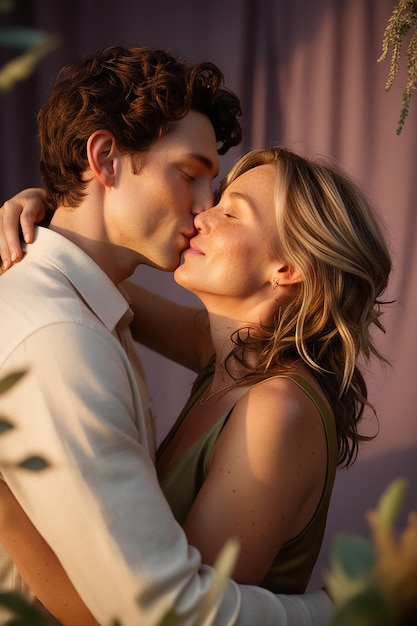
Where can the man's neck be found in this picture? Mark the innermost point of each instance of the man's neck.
(117, 262)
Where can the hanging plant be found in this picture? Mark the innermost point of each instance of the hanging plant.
(402, 20)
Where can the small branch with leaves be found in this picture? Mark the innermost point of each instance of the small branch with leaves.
(24, 613)
(374, 583)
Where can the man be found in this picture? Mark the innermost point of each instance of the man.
(129, 144)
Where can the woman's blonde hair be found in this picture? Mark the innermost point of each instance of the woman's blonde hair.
(327, 230)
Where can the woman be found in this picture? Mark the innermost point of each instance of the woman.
(290, 265)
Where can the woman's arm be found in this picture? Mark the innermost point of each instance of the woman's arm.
(25, 208)
(181, 333)
(266, 476)
(38, 565)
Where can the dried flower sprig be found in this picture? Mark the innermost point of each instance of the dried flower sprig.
(402, 20)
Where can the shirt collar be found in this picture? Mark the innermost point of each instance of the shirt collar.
(107, 301)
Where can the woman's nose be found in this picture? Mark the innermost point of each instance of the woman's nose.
(202, 220)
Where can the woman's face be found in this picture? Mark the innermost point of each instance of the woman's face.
(231, 256)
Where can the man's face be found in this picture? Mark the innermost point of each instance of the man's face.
(153, 211)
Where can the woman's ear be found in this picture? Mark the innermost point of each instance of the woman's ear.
(286, 275)
(101, 151)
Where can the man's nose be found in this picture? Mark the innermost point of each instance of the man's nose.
(203, 202)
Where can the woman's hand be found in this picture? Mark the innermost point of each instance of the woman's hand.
(25, 209)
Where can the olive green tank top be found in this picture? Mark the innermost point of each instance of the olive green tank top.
(293, 565)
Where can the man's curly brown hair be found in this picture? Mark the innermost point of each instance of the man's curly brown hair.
(134, 93)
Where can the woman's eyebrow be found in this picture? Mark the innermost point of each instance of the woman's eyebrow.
(237, 195)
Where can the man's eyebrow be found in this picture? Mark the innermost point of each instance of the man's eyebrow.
(205, 161)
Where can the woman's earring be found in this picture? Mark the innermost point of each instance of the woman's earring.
(275, 284)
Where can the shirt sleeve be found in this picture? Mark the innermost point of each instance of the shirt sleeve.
(98, 503)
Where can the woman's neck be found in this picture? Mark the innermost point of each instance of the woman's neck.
(229, 316)
(223, 329)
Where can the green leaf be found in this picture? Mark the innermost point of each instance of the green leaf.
(170, 619)
(340, 587)
(223, 568)
(23, 65)
(356, 555)
(21, 37)
(390, 502)
(26, 614)
(365, 609)
(10, 380)
(5, 425)
(33, 463)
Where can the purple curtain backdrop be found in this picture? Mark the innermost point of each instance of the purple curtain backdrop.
(308, 77)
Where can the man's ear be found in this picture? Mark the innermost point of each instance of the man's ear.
(101, 151)
(286, 275)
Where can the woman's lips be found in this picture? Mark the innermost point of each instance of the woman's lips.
(194, 248)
